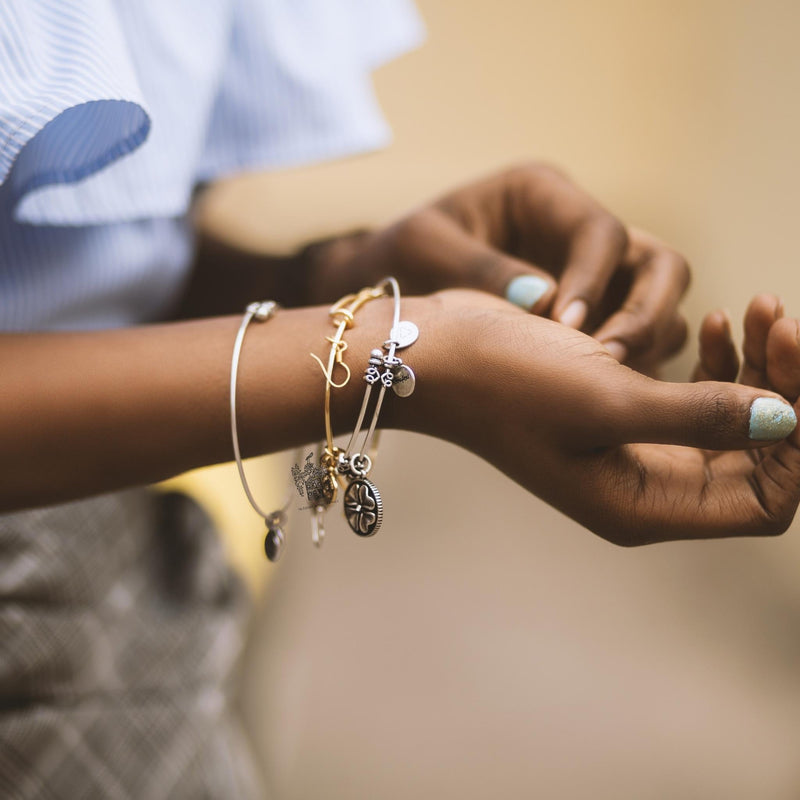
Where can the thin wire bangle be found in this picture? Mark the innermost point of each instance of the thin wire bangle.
(390, 283)
(342, 315)
(261, 312)
(362, 500)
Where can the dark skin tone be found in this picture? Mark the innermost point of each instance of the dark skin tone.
(527, 220)
(550, 406)
(617, 283)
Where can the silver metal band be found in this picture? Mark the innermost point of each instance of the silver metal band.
(261, 312)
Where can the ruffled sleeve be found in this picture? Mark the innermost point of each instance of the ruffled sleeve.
(297, 86)
(228, 85)
(70, 102)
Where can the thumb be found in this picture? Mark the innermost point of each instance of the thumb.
(709, 414)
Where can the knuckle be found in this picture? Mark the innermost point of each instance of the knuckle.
(713, 412)
(681, 270)
(407, 238)
(639, 330)
(604, 228)
(414, 227)
(612, 230)
(670, 262)
(537, 170)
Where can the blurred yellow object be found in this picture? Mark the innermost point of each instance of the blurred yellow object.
(219, 491)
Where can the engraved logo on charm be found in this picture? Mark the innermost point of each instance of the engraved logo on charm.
(404, 381)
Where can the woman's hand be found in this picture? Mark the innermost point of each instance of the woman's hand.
(531, 235)
(633, 459)
(628, 457)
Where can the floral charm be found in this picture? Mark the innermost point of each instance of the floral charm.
(363, 507)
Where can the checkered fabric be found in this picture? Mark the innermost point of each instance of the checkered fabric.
(120, 631)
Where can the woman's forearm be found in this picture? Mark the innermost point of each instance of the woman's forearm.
(83, 413)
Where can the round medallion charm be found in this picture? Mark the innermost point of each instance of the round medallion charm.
(273, 542)
(405, 333)
(363, 507)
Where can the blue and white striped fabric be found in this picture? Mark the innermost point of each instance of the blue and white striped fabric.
(112, 111)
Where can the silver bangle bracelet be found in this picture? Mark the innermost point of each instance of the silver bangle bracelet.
(275, 520)
(363, 505)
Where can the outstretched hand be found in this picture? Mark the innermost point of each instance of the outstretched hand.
(633, 459)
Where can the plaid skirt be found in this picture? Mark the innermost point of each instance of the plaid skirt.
(120, 631)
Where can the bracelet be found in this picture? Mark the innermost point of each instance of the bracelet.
(342, 314)
(363, 506)
(275, 520)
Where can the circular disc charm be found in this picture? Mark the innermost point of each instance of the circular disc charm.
(404, 381)
(405, 333)
(273, 542)
(363, 507)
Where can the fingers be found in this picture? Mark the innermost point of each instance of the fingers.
(775, 479)
(762, 312)
(709, 415)
(437, 252)
(595, 252)
(718, 359)
(660, 278)
(783, 358)
(551, 220)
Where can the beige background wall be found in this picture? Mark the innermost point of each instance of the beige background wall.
(482, 645)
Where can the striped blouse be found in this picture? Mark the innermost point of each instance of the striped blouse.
(111, 112)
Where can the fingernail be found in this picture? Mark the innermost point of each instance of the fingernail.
(771, 419)
(574, 314)
(526, 291)
(617, 349)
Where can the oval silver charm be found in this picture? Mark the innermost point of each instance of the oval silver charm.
(405, 333)
(404, 381)
(363, 507)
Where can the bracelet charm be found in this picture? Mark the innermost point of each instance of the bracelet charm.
(363, 507)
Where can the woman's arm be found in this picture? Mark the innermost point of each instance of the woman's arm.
(531, 226)
(82, 413)
(632, 459)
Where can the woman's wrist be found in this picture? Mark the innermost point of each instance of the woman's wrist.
(278, 373)
(435, 358)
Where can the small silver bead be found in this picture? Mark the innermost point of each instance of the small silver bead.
(263, 311)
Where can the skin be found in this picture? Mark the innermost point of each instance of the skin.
(619, 284)
(633, 459)
(625, 455)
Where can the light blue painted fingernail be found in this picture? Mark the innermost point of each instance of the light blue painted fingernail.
(526, 291)
(771, 419)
